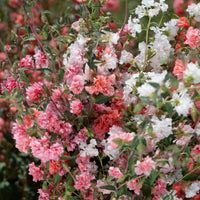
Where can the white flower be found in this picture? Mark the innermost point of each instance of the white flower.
(148, 3)
(194, 10)
(192, 190)
(161, 46)
(172, 28)
(126, 57)
(114, 37)
(154, 11)
(197, 130)
(89, 149)
(140, 11)
(129, 95)
(182, 102)
(134, 26)
(145, 90)
(162, 128)
(111, 153)
(193, 72)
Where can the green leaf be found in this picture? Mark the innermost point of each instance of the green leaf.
(57, 179)
(108, 187)
(135, 142)
(45, 70)
(118, 141)
(92, 65)
(187, 150)
(146, 189)
(61, 73)
(141, 182)
(94, 194)
(47, 165)
(122, 178)
(138, 107)
(89, 133)
(100, 99)
(109, 178)
(29, 38)
(44, 185)
(169, 108)
(145, 99)
(153, 176)
(153, 84)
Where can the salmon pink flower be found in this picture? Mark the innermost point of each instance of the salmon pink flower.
(192, 37)
(115, 172)
(145, 166)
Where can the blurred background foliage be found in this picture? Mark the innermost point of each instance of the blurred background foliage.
(15, 183)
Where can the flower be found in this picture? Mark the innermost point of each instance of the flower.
(76, 107)
(145, 166)
(83, 181)
(36, 172)
(115, 172)
(132, 185)
(192, 37)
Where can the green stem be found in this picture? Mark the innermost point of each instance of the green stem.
(146, 49)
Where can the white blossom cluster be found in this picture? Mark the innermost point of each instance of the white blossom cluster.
(111, 153)
(150, 8)
(146, 89)
(182, 102)
(89, 149)
(126, 57)
(134, 26)
(194, 10)
(162, 128)
(161, 47)
(192, 72)
(192, 190)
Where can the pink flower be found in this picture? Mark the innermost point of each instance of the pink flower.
(34, 92)
(132, 185)
(10, 84)
(116, 132)
(83, 181)
(56, 151)
(26, 62)
(44, 194)
(179, 69)
(111, 5)
(192, 37)
(115, 172)
(77, 84)
(40, 149)
(21, 138)
(36, 172)
(76, 107)
(183, 22)
(8, 47)
(102, 84)
(160, 188)
(76, 25)
(145, 166)
(40, 59)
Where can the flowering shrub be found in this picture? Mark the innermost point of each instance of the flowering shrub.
(103, 118)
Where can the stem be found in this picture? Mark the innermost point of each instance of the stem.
(125, 18)
(187, 174)
(101, 164)
(161, 20)
(146, 49)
